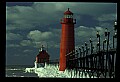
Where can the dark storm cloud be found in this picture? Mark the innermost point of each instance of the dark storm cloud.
(19, 3)
(87, 20)
(95, 8)
(41, 15)
(29, 25)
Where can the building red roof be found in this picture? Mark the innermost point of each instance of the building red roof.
(43, 54)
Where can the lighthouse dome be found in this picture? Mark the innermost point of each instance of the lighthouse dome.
(68, 12)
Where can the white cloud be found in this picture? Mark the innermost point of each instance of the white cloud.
(50, 38)
(37, 35)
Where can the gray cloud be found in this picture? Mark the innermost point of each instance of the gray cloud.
(27, 51)
(47, 13)
(107, 17)
(13, 45)
(26, 43)
(19, 3)
(13, 36)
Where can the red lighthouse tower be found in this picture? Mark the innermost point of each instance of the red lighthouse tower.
(67, 38)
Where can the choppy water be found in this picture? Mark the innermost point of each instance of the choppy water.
(18, 71)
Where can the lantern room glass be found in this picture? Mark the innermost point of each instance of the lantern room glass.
(68, 16)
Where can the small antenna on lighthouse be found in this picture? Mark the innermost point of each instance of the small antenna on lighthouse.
(68, 9)
(47, 47)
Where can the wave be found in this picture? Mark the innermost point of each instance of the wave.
(14, 69)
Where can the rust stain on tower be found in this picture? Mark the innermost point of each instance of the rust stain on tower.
(67, 43)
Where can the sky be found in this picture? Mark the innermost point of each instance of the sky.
(29, 25)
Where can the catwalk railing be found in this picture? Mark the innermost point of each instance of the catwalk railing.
(99, 62)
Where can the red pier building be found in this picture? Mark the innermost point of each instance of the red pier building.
(42, 58)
